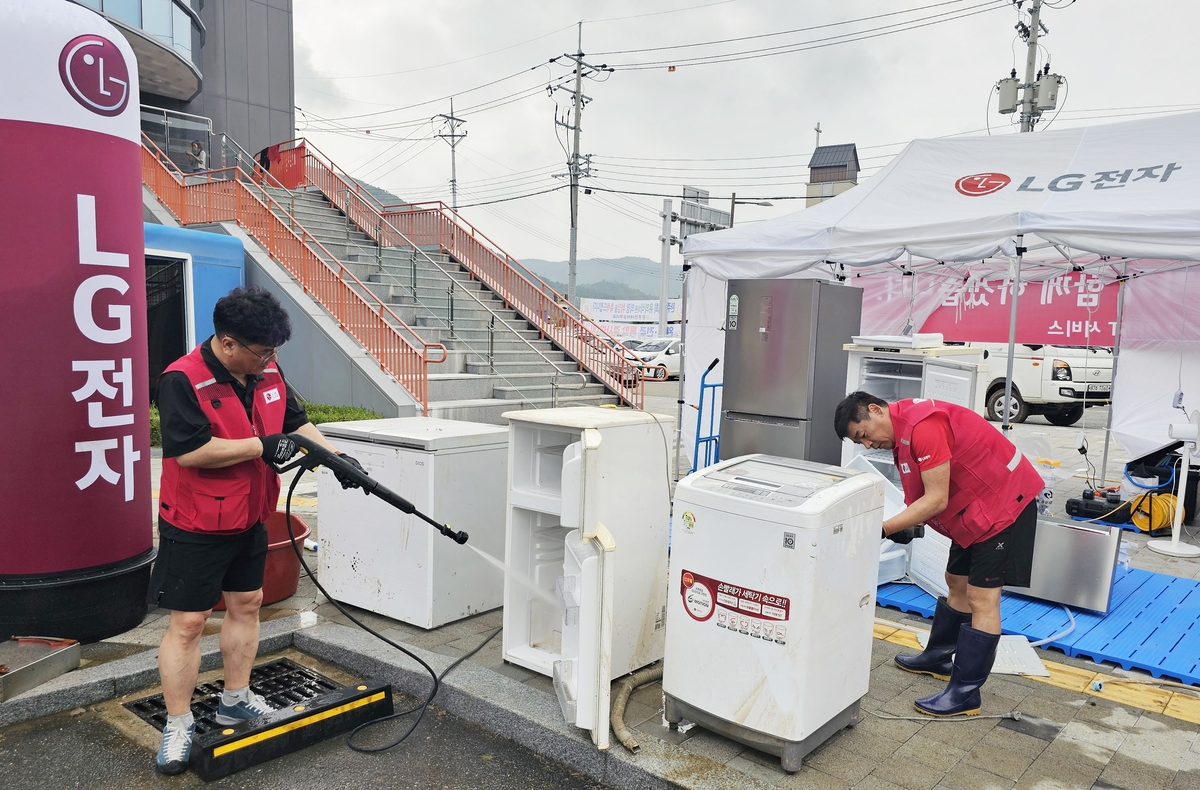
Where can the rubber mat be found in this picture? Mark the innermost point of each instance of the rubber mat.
(1153, 623)
(282, 683)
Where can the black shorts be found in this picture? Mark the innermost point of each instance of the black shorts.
(1004, 559)
(193, 569)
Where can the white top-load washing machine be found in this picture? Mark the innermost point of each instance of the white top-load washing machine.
(771, 604)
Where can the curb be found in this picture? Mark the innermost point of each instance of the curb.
(114, 679)
(512, 710)
(494, 702)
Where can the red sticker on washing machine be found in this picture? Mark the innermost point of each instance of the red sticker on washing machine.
(739, 609)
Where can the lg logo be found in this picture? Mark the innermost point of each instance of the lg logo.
(981, 184)
(93, 71)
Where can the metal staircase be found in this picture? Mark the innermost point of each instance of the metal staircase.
(495, 361)
(415, 285)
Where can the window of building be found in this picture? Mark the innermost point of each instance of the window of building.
(183, 32)
(156, 19)
(129, 11)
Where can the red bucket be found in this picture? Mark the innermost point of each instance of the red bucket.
(283, 569)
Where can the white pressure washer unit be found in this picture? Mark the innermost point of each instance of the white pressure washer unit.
(771, 604)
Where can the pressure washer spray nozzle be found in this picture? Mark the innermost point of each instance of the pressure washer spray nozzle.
(458, 537)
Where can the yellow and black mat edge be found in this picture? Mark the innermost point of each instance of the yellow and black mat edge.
(228, 750)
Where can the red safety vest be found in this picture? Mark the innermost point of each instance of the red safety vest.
(991, 481)
(232, 498)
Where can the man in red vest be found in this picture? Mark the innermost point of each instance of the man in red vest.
(963, 478)
(225, 412)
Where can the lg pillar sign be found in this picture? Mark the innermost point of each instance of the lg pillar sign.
(74, 410)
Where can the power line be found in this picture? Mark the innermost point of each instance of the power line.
(440, 98)
(440, 65)
(779, 33)
(821, 43)
(516, 197)
(676, 195)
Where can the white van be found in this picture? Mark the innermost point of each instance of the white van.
(1055, 381)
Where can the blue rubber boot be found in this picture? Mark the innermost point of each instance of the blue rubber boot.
(938, 657)
(972, 665)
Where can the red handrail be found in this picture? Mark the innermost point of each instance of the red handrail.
(432, 223)
(224, 195)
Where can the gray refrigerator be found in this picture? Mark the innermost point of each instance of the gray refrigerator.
(785, 368)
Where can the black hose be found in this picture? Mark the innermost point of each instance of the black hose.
(437, 679)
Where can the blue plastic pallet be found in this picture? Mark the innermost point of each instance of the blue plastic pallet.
(1153, 623)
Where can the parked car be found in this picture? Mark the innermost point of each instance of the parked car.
(632, 344)
(661, 352)
(1058, 382)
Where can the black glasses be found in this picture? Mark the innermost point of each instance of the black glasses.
(263, 358)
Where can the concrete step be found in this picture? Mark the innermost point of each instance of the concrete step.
(507, 369)
(474, 335)
(478, 358)
(491, 410)
(568, 389)
(464, 386)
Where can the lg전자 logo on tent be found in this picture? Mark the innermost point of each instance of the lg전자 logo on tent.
(981, 184)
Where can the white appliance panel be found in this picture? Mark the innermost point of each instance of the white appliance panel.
(762, 597)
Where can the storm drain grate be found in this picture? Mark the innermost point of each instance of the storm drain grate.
(283, 683)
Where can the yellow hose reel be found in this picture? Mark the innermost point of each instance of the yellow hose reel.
(1153, 511)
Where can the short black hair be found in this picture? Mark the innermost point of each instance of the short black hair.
(252, 315)
(854, 409)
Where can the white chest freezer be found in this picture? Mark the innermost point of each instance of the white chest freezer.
(771, 603)
(377, 558)
(588, 510)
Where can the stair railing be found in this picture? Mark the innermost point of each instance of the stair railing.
(228, 195)
(434, 224)
(437, 267)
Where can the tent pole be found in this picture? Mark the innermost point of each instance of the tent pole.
(1012, 335)
(682, 366)
(1116, 358)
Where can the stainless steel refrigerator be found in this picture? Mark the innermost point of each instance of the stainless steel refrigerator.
(785, 368)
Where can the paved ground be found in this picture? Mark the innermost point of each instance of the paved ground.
(86, 750)
(1066, 739)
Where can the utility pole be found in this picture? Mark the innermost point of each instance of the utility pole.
(1039, 91)
(577, 166)
(817, 129)
(452, 123)
(1027, 96)
(664, 282)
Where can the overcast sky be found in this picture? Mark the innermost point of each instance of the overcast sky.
(744, 125)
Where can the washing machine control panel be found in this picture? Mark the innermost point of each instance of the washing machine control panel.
(780, 481)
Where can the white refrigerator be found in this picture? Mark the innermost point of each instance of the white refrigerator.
(588, 511)
(379, 559)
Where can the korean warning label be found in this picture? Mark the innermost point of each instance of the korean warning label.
(740, 610)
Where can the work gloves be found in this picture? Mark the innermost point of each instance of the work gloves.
(346, 480)
(278, 448)
(906, 536)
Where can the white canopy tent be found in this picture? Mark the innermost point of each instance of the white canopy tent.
(1116, 200)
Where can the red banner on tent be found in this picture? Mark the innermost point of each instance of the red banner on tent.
(1075, 309)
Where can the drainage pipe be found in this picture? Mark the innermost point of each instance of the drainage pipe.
(625, 688)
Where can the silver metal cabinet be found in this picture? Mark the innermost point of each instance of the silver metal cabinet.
(785, 366)
(1073, 564)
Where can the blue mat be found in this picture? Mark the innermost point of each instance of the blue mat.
(1153, 623)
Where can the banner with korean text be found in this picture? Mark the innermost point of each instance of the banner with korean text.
(629, 310)
(1075, 309)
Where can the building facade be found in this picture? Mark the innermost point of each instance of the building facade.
(229, 62)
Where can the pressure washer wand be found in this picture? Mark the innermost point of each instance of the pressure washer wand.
(315, 455)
